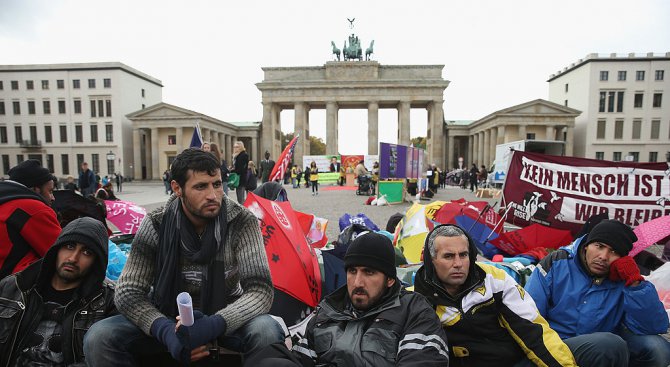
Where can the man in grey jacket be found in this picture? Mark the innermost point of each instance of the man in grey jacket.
(201, 243)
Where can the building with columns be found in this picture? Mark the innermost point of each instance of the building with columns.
(353, 85)
(539, 119)
(163, 130)
(626, 112)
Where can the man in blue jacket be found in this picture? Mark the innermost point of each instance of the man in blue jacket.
(593, 295)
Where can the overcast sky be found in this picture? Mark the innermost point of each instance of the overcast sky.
(209, 54)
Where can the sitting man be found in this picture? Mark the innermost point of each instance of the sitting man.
(28, 224)
(61, 295)
(489, 319)
(202, 243)
(371, 321)
(593, 295)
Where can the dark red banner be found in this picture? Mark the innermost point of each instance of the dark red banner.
(563, 192)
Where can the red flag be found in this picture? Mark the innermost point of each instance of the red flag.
(279, 169)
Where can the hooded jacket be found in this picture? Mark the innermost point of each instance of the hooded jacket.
(576, 303)
(21, 302)
(492, 321)
(28, 227)
(401, 330)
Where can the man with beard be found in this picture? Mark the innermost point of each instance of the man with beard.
(593, 295)
(371, 321)
(47, 308)
(489, 319)
(202, 243)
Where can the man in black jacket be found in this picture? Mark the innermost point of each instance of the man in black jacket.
(47, 308)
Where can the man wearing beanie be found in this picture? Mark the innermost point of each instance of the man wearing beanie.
(489, 319)
(48, 307)
(371, 321)
(593, 295)
(28, 224)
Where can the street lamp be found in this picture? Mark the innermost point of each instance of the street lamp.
(111, 156)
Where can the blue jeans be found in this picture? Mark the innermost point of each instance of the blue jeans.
(625, 349)
(116, 341)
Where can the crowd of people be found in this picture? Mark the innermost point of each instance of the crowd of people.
(584, 305)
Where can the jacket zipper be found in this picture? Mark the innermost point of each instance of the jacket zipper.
(22, 306)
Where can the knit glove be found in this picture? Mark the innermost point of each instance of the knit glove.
(163, 330)
(625, 269)
(204, 329)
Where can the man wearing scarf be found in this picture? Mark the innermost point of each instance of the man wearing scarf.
(202, 243)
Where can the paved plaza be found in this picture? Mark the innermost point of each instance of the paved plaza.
(329, 204)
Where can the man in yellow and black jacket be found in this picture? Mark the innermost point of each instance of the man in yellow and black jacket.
(489, 319)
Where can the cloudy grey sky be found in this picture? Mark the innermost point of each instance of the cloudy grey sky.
(209, 54)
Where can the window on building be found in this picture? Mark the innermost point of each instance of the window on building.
(655, 129)
(101, 108)
(33, 134)
(602, 101)
(46, 106)
(639, 75)
(110, 166)
(31, 107)
(2, 107)
(530, 136)
(91, 83)
(48, 138)
(18, 134)
(604, 75)
(61, 107)
(172, 139)
(633, 156)
(638, 100)
(566, 89)
(619, 101)
(107, 83)
(63, 133)
(16, 106)
(621, 76)
(565, 103)
(30, 85)
(658, 75)
(76, 84)
(108, 108)
(653, 157)
(600, 155)
(65, 164)
(60, 84)
(93, 108)
(109, 133)
(95, 162)
(50, 162)
(80, 160)
(3, 134)
(601, 128)
(143, 106)
(610, 101)
(618, 129)
(45, 84)
(78, 134)
(616, 156)
(637, 129)
(658, 98)
(19, 158)
(2, 85)
(77, 106)
(15, 84)
(5, 164)
(94, 133)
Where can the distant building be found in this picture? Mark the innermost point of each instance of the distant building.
(65, 114)
(624, 99)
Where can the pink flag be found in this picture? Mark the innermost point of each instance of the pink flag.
(124, 215)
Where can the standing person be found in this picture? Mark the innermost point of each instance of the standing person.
(298, 177)
(62, 295)
(252, 181)
(294, 176)
(307, 169)
(119, 182)
(375, 176)
(488, 318)
(314, 178)
(202, 243)
(473, 178)
(28, 224)
(71, 185)
(593, 295)
(370, 321)
(206, 147)
(483, 175)
(240, 165)
(267, 165)
(87, 182)
(214, 149)
(166, 182)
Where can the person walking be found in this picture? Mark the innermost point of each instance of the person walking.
(473, 178)
(298, 177)
(166, 182)
(267, 165)
(240, 165)
(314, 178)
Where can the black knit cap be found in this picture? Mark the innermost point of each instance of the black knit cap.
(372, 250)
(87, 231)
(615, 234)
(30, 173)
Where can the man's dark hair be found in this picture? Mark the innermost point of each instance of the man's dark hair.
(196, 160)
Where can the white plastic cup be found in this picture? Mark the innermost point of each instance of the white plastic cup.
(185, 307)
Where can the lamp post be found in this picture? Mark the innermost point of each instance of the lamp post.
(110, 158)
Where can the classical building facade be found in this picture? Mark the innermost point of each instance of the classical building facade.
(353, 85)
(161, 131)
(624, 99)
(65, 114)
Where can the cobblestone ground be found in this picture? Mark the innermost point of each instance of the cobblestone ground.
(329, 204)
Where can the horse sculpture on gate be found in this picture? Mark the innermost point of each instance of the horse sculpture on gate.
(354, 50)
(336, 51)
(369, 50)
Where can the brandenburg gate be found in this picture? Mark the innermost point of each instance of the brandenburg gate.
(353, 85)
